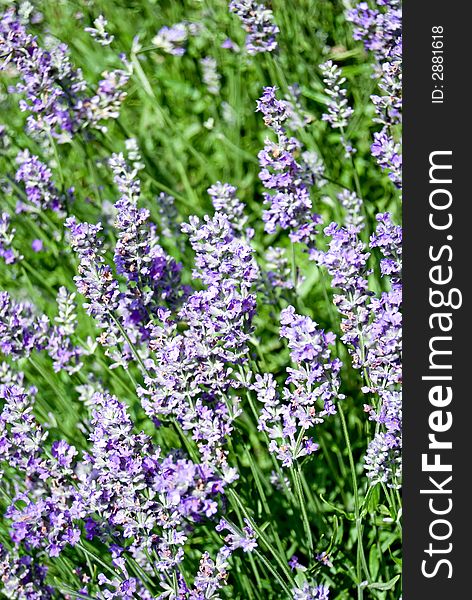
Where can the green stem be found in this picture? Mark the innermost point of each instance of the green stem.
(361, 561)
(233, 497)
(296, 475)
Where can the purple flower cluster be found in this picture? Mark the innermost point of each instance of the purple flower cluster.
(352, 205)
(211, 77)
(372, 330)
(307, 591)
(289, 198)
(99, 32)
(380, 29)
(22, 577)
(55, 93)
(309, 392)
(39, 186)
(65, 355)
(225, 201)
(141, 501)
(95, 279)
(339, 111)
(244, 539)
(278, 268)
(44, 515)
(124, 492)
(211, 575)
(152, 277)
(21, 330)
(172, 40)
(194, 355)
(258, 22)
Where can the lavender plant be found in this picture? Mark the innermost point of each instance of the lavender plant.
(200, 303)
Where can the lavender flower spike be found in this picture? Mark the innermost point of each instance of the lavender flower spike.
(289, 201)
(258, 21)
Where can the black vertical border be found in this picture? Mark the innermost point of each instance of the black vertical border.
(429, 127)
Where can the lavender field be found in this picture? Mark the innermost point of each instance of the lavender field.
(200, 299)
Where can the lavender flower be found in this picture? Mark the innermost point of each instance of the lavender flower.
(315, 379)
(37, 245)
(169, 226)
(313, 169)
(37, 179)
(211, 575)
(134, 154)
(339, 111)
(224, 200)
(106, 103)
(380, 29)
(21, 331)
(22, 577)
(298, 118)
(244, 539)
(308, 591)
(388, 155)
(60, 348)
(95, 279)
(190, 375)
(290, 203)
(44, 515)
(7, 235)
(99, 31)
(172, 40)
(21, 437)
(352, 205)
(258, 22)
(137, 495)
(278, 268)
(372, 331)
(153, 276)
(211, 77)
(55, 93)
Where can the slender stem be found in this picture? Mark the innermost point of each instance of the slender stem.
(361, 561)
(261, 535)
(296, 475)
(273, 572)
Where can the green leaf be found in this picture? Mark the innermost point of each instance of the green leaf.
(384, 586)
(373, 562)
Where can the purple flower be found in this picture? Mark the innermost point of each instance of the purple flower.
(308, 591)
(372, 331)
(288, 416)
(172, 39)
(37, 245)
(388, 155)
(211, 77)
(7, 235)
(380, 29)
(258, 22)
(194, 355)
(244, 539)
(211, 575)
(99, 32)
(353, 209)
(224, 200)
(54, 92)
(289, 198)
(139, 496)
(23, 576)
(37, 179)
(21, 331)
